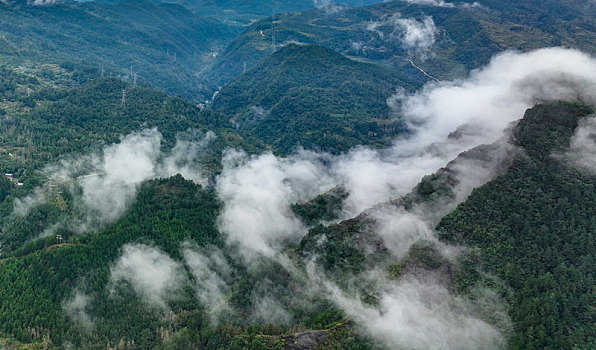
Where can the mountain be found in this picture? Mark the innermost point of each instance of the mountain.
(313, 97)
(427, 211)
(78, 275)
(243, 13)
(420, 39)
(85, 262)
(62, 127)
(530, 233)
(50, 123)
(532, 227)
(163, 46)
(248, 11)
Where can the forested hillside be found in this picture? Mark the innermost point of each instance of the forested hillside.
(534, 228)
(358, 174)
(444, 41)
(248, 11)
(73, 283)
(70, 285)
(313, 97)
(531, 234)
(49, 123)
(164, 46)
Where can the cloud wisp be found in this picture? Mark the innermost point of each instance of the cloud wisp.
(436, 3)
(76, 308)
(257, 192)
(154, 276)
(209, 270)
(445, 120)
(582, 149)
(158, 279)
(457, 130)
(417, 313)
(104, 184)
(417, 36)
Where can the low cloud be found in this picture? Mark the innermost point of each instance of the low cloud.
(44, 2)
(257, 192)
(120, 170)
(210, 270)
(495, 95)
(582, 149)
(400, 229)
(417, 36)
(104, 184)
(420, 314)
(267, 310)
(445, 4)
(448, 119)
(183, 158)
(124, 166)
(154, 276)
(376, 176)
(328, 6)
(76, 308)
(436, 3)
(445, 119)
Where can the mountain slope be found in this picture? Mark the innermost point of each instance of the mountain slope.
(534, 228)
(163, 45)
(167, 213)
(313, 97)
(444, 41)
(54, 122)
(42, 134)
(519, 231)
(247, 11)
(530, 230)
(56, 269)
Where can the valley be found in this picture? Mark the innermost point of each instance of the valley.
(414, 174)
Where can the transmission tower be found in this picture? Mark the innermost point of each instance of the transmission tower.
(273, 27)
(123, 97)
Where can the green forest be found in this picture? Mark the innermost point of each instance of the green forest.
(183, 175)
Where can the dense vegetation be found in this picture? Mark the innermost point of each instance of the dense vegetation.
(466, 37)
(533, 228)
(544, 255)
(67, 91)
(247, 11)
(164, 46)
(45, 124)
(313, 97)
(166, 213)
(54, 122)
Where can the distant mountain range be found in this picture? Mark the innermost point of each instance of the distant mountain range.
(288, 175)
(444, 41)
(165, 46)
(312, 96)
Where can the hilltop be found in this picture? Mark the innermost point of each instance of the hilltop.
(446, 41)
(311, 96)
